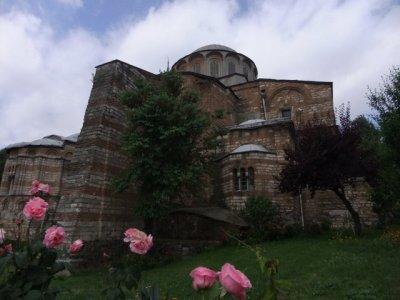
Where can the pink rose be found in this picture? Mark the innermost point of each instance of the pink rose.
(35, 208)
(133, 234)
(8, 248)
(234, 281)
(37, 187)
(2, 235)
(75, 247)
(44, 188)
(142, 246)
(54, 237)
(203, 278)
(140, 243)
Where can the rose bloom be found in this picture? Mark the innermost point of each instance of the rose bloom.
(75, 247)
(37, 187)
(54, 237)
(203, 278)
(133, 234)
(234, 281)
(142, 246)
(35, 208)
(44, 188)
(2, 235)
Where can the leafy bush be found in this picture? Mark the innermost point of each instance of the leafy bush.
(262, 215)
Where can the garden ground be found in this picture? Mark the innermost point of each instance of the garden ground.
(315, 267)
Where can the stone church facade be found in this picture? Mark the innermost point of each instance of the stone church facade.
(261, 116)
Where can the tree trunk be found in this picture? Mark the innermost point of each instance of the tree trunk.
(354, 214)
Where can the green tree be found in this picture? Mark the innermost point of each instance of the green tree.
(171, 142)
(385, 103)
(328, 157)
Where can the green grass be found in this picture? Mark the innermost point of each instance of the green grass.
(317, 268)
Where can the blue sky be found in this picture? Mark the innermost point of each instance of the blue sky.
(49, 48)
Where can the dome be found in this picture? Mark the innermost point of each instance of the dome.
(214, 47)
(48, 141)
(219, 61)
(249, 148)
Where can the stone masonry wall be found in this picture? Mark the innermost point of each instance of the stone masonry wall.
(24, 165)
(89, 207)
(307, 100)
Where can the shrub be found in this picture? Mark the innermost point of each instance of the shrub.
(262, 215)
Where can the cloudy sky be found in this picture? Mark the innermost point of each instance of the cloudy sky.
(49, 48)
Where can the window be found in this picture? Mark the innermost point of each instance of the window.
(286, 113)
(231, 67)
(196, 68)
(250, 172)
(243, 179)
(236, 180)
(214, 68)
(245, 71)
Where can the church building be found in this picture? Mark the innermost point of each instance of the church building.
(261, 116)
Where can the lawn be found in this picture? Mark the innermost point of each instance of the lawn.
(317, 268)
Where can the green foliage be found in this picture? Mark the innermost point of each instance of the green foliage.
(317, 268)
(327, 157)
(170, 141)
(385, 103)
(262, 215)
(27, 273)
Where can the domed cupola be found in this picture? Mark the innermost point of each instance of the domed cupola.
(219, 61)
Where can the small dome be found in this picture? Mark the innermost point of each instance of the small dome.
(214, 47)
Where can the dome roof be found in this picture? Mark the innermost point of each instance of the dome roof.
(214, 47)
(249, 148)
(48, 141)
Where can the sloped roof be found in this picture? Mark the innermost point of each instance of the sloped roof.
(252, 121)
(214, 213)
(256, 123)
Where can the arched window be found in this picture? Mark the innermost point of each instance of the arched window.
(250, 172)
(214, 68)
(196, 68)
(231, 67)
(236, 179)
(243, 179)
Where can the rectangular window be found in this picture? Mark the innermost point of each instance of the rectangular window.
(214, 68)
(196, 68)
(287, 113)
(243, 180)
(231, 68)
(236, 179)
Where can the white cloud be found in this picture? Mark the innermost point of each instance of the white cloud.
(73, 3)
(45, 81)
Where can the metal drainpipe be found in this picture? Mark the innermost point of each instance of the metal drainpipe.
(301, 209)
(263, 96)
